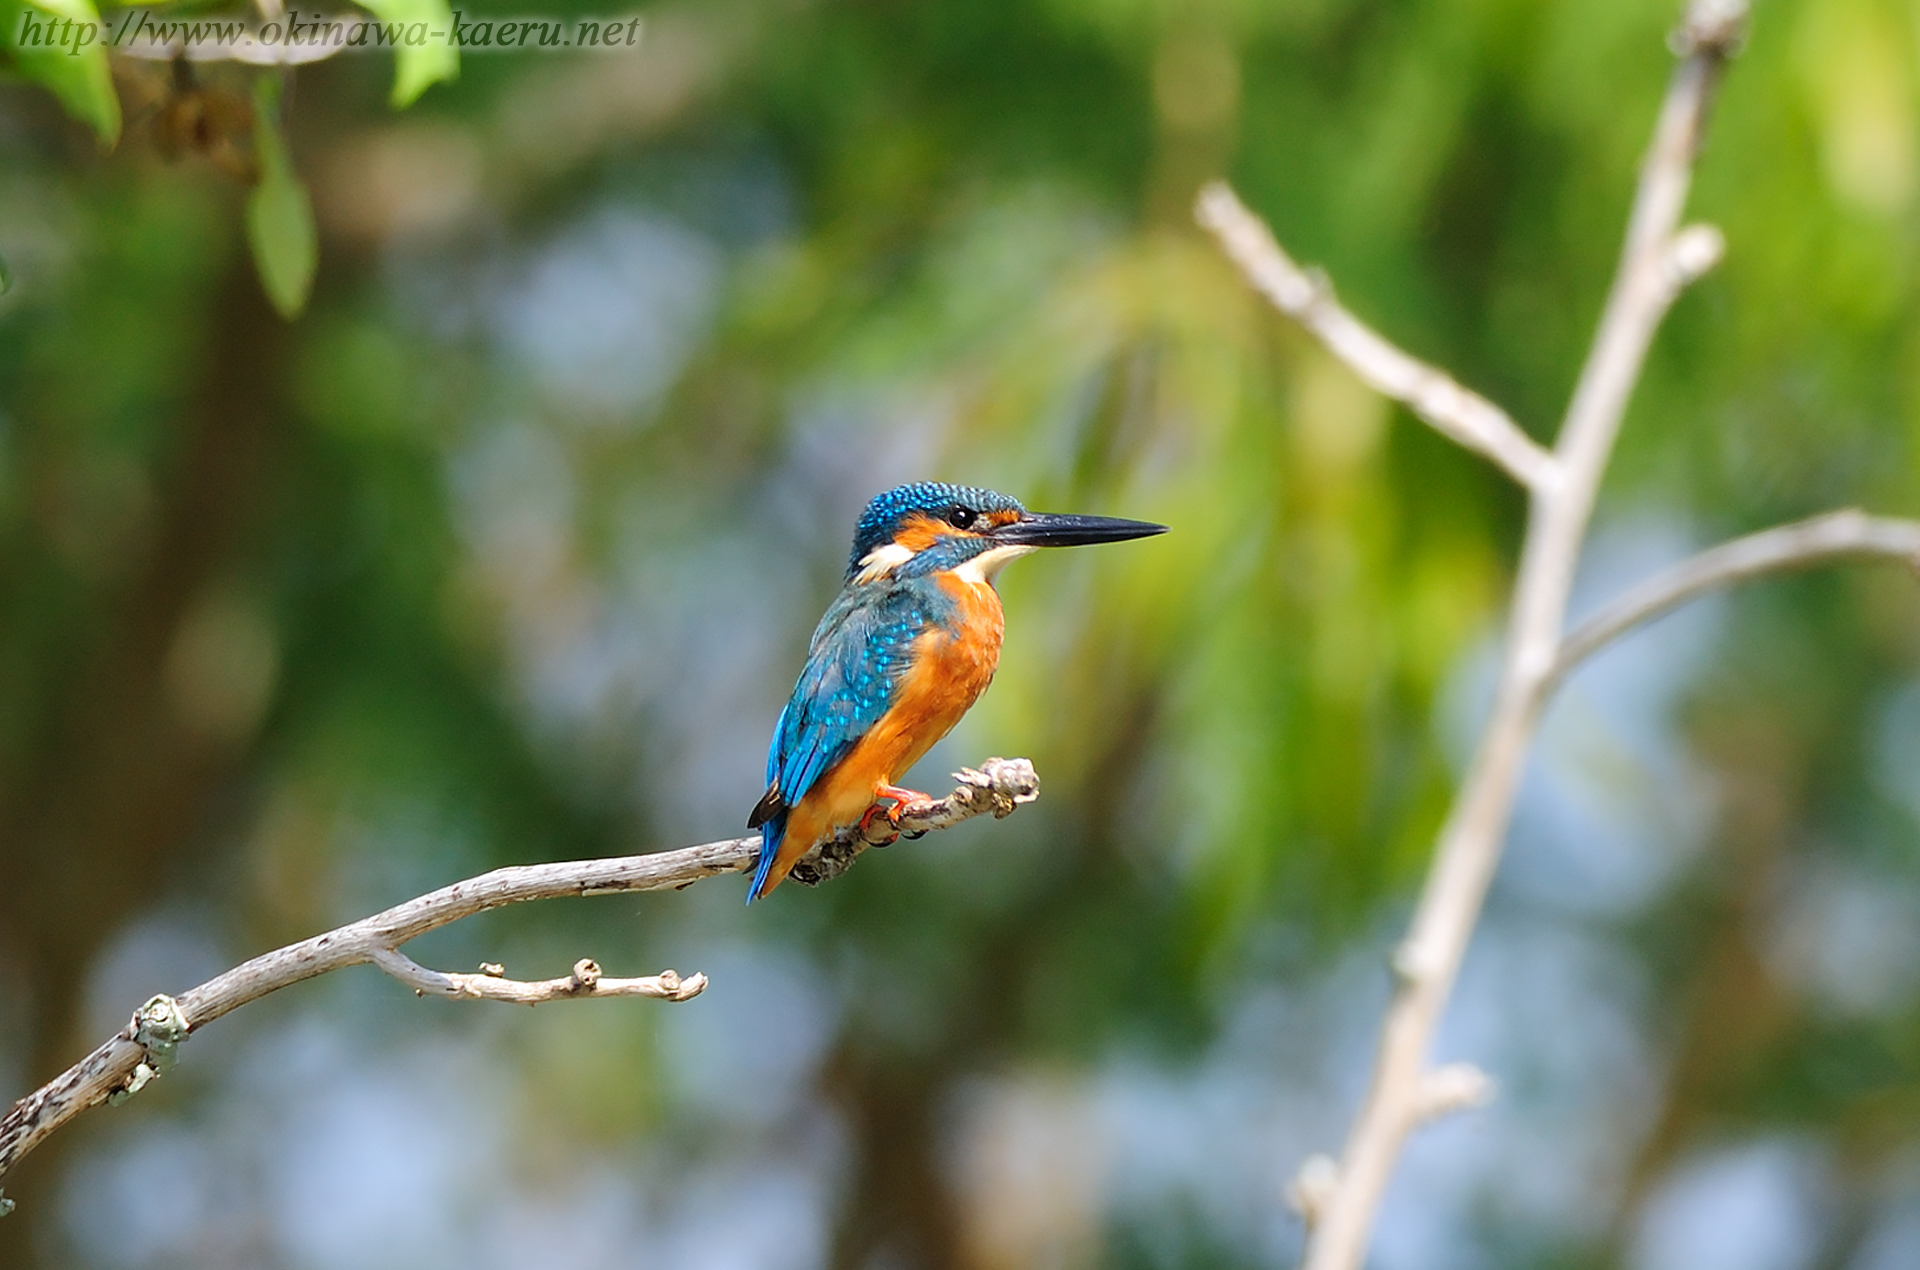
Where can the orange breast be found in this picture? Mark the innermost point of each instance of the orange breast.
(949, 671)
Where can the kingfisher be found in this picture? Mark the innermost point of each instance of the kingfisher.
(905, 649)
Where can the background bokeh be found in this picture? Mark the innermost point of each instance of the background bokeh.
(507, 550)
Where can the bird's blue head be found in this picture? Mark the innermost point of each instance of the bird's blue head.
(910, 516)
(935, 526)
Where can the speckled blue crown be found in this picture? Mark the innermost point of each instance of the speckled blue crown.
(881, 520)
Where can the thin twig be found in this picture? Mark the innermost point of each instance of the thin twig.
(1307, 297)
(1658, 259)
(491, 984)
(1841, 535)
(129, 1059)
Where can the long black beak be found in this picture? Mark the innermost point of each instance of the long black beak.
(1046, 529)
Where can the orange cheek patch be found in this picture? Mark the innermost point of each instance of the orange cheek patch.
(917, 533)
(998, 519)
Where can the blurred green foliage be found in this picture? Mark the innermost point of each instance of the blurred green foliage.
(507, 548)
(57, 45)
(63, 46)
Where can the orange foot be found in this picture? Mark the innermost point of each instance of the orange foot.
(899, 797)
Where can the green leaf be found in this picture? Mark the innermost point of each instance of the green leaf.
(57, 45)
(432, 58)
(6, 276)
(279, 214)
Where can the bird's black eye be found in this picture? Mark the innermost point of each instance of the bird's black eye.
(960, 516)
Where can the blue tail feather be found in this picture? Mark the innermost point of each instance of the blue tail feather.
(771, 833)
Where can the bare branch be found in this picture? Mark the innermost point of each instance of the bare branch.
(1455, 1087)
(144, 1048)
(1841, 535)
(1658, 259)
(1312, 1186)
(1000, 785)
(492, 985)
(1307, 297)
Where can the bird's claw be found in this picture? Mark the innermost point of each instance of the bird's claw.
(900, 800)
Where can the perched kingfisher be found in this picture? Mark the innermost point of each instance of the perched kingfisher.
(905, 650)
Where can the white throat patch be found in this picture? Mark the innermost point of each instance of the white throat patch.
(982, 567)
(882, 560)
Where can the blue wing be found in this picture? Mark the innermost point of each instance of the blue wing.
(859, 652)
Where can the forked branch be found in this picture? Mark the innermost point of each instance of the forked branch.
(145, 1047)
(1658, 259)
